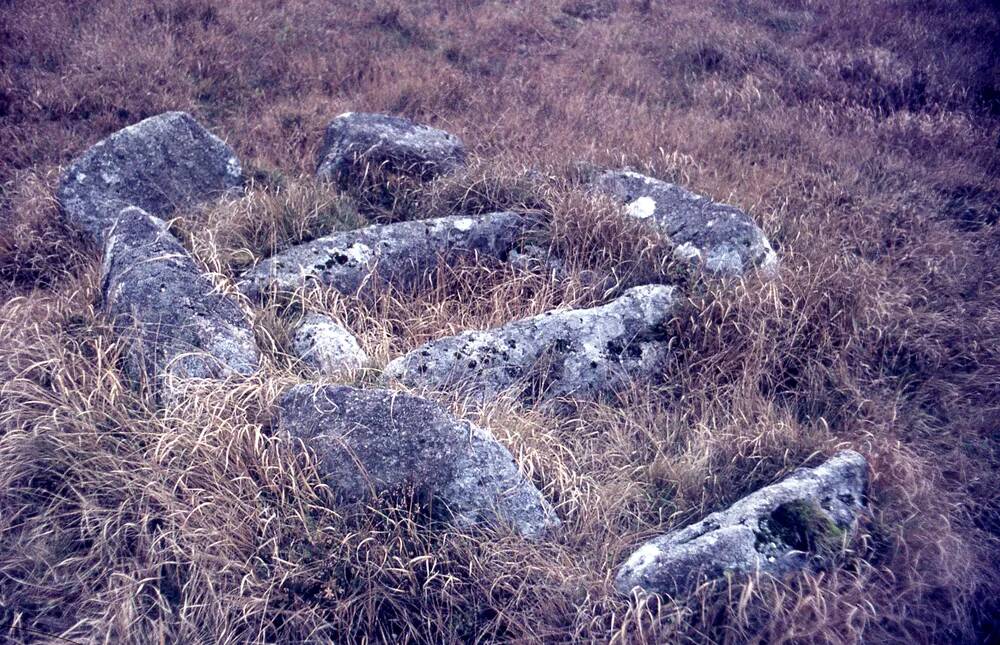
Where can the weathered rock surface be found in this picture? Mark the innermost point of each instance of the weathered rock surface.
(155, 294)
(400, 254)
(536, 259)
(373, 441)
(327, 347)
(777, 530)
(355, 143)
(721, 238)
(579, 353)
(160, 164)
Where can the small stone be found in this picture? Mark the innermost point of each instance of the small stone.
(402, 254)
(161, 164)
(179, 324)
(721, 238)
(327, 347)
(777, 530)
(580, 353)
(534, 258)
(370, 442)
(357, 143)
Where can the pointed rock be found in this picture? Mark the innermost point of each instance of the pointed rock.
(327, 347)
(721, 238)
(777, 530)
(357, 144)
(579, 353)
(400, 254)
(160, 164)
(369, 442)
(179, 324)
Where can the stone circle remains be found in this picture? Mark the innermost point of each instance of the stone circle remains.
(180, 323)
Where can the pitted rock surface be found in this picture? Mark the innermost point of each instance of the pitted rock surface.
(369, 442)
(178, 323)
(327, 347)
(401, 254)
(779, 529)
(356, 143)
(160, 164)
(579, 353)
(721, 238)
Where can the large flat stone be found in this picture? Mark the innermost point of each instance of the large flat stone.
(401, 254)
(177, 322)
(160, 164)
(722, 239)
(372, 441)
(357, 144)
(580, 353)
(777, 530)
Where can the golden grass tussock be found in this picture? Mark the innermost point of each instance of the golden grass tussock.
(861, 137)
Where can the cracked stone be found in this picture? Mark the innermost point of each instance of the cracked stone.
(177, 322)
(402, 254)
(160, 164)
(581, 353)
(777, 530)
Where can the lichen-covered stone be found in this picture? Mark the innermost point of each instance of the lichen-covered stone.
(720, 238)
(327, 347)
(402, 254)
(779, 529)
(580, 353)
(374, 441)
(356, 144)
(160, 164)
(177, 322)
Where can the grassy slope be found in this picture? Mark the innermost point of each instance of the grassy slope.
(862, 138)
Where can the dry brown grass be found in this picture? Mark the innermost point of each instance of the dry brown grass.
(862, 136)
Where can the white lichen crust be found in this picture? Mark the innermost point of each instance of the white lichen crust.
(579, 354)
(721, 239)
(402, 254)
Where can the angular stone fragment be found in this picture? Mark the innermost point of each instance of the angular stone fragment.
(400, 254)
(178, 323)
(721, 238)
(357, 143)
(779, 529)
(580, 353)
(327, 347)
(374, 441)
(160, 164)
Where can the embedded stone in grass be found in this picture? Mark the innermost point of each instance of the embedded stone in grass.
(327, 347)
(177, 322)
(578, 353)
(721, 238)
(589, 9)
(356, 144)
(370, 442)
(160, 164)
(402, 254)
(788, 526)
